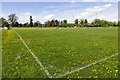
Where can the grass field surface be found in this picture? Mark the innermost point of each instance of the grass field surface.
(0, 54)
(60, 51)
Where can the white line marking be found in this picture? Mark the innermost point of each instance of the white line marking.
(54, 67)
(87, 66)
(28, 42)
(45, 70)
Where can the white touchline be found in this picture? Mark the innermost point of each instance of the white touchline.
(28, 42)
(86, 66)
(46, 71)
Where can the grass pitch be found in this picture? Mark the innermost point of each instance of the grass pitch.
(60, 51)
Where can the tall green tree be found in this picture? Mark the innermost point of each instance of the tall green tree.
(56, 22)
(3, 22)
(16, 24)
(114, 24)
(26, 24)
(12, 19)
(31, 21)
(37, 24)
(96, 22)
(65, 21)
(21, 25)
(61, 22)
(48, 23)
(52, 23)
(82, 22)
(86, 22)
(119, 23)
(76, 21)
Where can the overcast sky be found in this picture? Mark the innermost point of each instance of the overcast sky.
(43, 11)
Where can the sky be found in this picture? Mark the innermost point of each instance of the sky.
(60, 0)
(119, 11)
(70, 10)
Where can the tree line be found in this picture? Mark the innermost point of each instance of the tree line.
(12, 21)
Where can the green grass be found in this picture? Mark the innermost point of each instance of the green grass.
(60, 51)
(0, 54)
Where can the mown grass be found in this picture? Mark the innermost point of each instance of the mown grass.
(0, 54)
(60, 51)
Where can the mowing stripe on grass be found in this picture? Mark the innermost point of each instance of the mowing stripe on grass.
(87, 65)
(45, 70)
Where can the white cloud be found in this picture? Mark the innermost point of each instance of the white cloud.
(72, 1)
(2, 15)
(98, 8)
(43, 19)
(99, 0)
(27, 14)
(49, 16)
(24, 17)
(90, 13)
